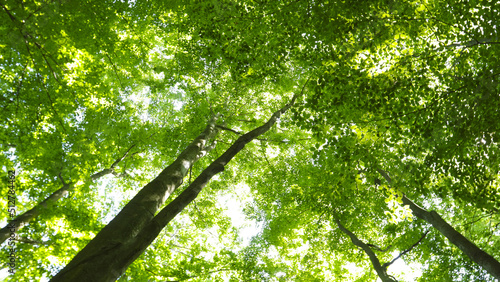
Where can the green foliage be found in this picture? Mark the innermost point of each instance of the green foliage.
(406, 87)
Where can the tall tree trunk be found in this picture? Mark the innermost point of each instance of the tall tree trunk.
(379, 268)
(128, 235)
(483, 259)
(134, 216)
(23, 219)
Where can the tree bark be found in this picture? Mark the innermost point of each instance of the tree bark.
(128, 235)
(381, 270)
(137, 213)
(483, 259)
(23, 219)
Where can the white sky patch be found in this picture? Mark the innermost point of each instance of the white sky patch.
(159, 76)
(141, 103)
(301, 250)
(353, 269)
(176, 95)
(400, 269)
(234, 203)
(159, 51)
(79, 115)
(272, 152)
(4, 273)
(177, 105)
(113, 197)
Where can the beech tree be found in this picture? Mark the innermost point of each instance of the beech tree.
(29, 215)
(322, 124)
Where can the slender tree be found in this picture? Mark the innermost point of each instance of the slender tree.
(23, 219)
(477, 255)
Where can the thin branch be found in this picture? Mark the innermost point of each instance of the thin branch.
(260, 139)
(114, 69)
(123, 156)
(387, 264)
(48, 64)
(210, 105)
(229, 129)
(479, 217)
(378, 248)
(12, 18)
(30, 241)
(320, 217)
(20, 84)
(245, 120)
(52, 106)
(123, 174)
(155, 274)
(62, 180)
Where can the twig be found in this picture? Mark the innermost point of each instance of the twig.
(115, 69)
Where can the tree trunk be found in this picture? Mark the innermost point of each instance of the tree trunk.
(128, 235)
(483, 259)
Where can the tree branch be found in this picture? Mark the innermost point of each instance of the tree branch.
(378, 248)
(381, 271)
(123, 156)
(114, 69)
(260, 139)
(387, 264)
(476, 254)
(62, 180)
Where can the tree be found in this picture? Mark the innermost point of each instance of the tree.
(119, 243)
(470, 249)
(406, 87)
(29, 215)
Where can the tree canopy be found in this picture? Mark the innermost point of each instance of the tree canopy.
(258, 140)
